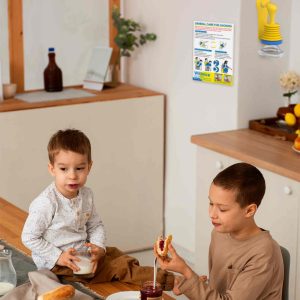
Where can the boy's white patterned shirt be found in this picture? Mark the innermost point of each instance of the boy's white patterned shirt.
(55, 224)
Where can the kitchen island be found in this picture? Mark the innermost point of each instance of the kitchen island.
(280, 209)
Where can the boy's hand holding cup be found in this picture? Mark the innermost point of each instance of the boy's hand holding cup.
(97, 255)
(68, 259)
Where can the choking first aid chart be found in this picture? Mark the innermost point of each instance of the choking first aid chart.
(213, 52)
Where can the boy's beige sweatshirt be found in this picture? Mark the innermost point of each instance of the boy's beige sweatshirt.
(250, 269)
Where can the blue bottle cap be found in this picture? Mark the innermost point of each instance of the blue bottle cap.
(51, 49)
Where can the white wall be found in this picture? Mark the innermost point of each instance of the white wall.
(259, 91)
(73, 27)
(195, 107)
(192, 107)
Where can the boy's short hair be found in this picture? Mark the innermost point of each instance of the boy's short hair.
(69, 140)
(246, 180)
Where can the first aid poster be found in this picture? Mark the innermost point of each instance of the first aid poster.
(213, 52)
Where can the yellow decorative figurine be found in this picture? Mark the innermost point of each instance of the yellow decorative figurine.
(268, 29)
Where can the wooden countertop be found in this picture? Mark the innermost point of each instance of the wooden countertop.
(122, 91)
(264, 151)
(11, 225)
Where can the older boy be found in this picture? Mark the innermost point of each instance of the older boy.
(63, 218)
(244, 261)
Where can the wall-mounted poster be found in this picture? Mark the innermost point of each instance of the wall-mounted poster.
(213, 52)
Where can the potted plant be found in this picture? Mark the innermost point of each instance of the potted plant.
(129, 37)
(290, 82)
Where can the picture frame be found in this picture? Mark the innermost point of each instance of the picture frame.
(97, 68)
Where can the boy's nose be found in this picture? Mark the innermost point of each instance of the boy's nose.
(72, 174)
(212, 213)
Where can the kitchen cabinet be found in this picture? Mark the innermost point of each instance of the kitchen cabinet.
(126, 129)
(279, 211)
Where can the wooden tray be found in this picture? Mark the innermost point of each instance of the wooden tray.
(274, 127)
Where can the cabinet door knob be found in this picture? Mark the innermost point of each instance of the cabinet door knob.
(287, 190)
(219, 165)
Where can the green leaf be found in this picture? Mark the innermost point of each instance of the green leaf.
(289, 94)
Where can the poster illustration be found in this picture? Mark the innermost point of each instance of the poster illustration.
(213, 52)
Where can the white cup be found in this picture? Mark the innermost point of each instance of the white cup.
(85, 264)
(9, 90)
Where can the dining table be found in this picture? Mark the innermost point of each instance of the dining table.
(12, 219)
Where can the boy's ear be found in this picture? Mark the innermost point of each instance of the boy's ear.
(251, 210)
(50, 169)
(90, 165)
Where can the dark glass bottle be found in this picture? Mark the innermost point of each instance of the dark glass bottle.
(52, 74)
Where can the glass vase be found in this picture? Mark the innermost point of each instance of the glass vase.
(8, 276)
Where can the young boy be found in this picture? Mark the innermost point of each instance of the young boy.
(244, 261)
(63, 218)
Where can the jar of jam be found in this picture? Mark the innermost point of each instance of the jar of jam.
(149, 292)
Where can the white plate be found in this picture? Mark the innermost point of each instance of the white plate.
(131, 295)
(298, 151)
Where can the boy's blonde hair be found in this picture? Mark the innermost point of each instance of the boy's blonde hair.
(69, 140)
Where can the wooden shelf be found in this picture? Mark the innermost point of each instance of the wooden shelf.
(123, 91)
